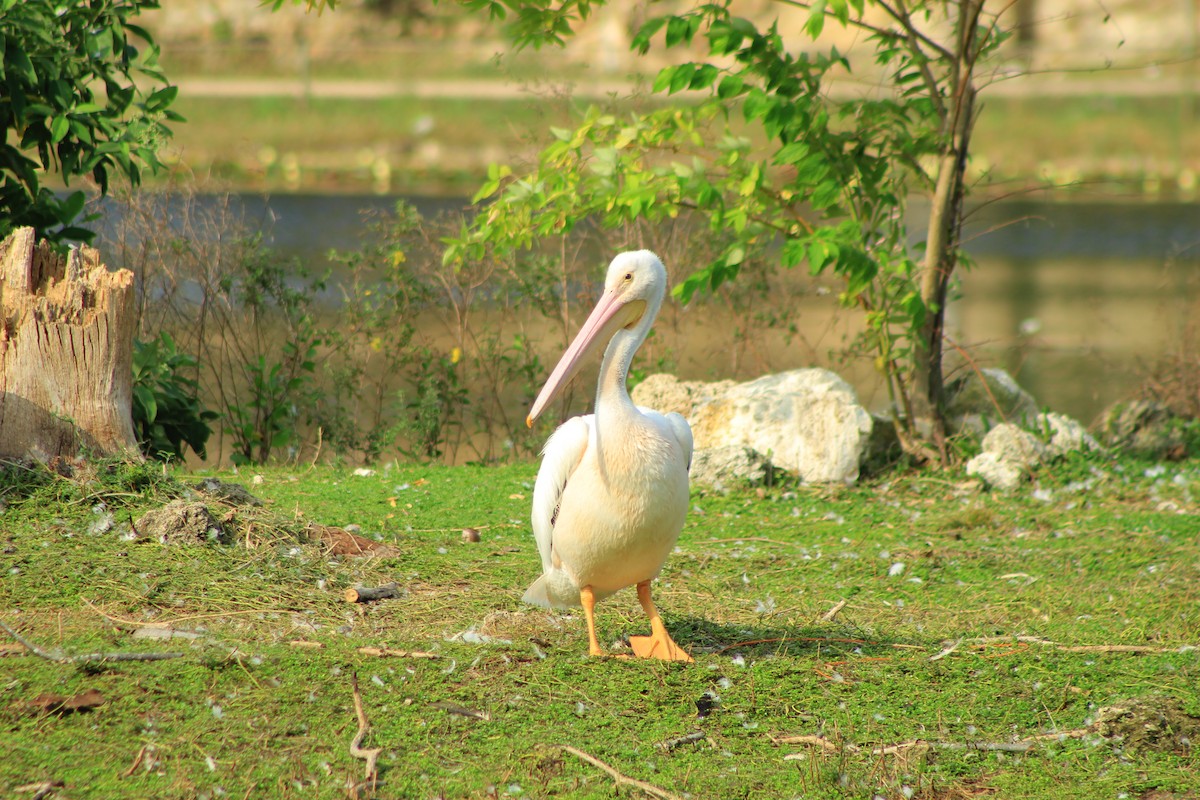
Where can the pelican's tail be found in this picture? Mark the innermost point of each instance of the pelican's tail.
(554, 589)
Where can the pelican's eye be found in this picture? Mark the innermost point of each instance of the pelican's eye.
(628, 276)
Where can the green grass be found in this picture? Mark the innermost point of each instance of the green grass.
(1097, 553)
(1105, 144)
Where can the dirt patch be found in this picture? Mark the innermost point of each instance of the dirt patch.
(340, 542)
(1149, 723)
(180, 522)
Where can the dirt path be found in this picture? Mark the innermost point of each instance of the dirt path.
(1044, 85)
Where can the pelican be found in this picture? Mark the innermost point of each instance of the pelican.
(612, 491)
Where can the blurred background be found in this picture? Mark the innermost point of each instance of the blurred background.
(1085, 231)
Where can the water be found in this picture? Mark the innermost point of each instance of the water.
(1077, 300)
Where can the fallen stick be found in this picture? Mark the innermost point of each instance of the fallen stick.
(621, 780)
(679, 741)
(369, 755)
(59, 657)
(817, 741)
(42, 789)
(137, 762)
(987, 641)
(831, 614)
(364, 594)
(1019, 746)
(387, 652)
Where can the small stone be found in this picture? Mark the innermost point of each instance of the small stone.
(470, 535)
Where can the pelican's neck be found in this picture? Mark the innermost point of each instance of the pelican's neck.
(614, 408)
(612, 392)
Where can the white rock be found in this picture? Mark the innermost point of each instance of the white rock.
(723, 468)
(986, 397)
(1066, 434)
(1015, 445)
(995, 471)
(807, 422)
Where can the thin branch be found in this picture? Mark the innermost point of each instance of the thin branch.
(370, 755)
(902, 15)
(1073, 648)
(59, 657)
(862, 24)
(1019, 746)
(832, 613)
(621, 780)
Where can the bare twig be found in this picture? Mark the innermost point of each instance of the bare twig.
(832, 613)
(987, 641)
(945, 651)
(41, 790)
(816, 741)
(1019, 746)
(370, 755)
(679, 741)
(137, 762)
(621, 780)
(387, 652)
(461, 711)
(59, 657)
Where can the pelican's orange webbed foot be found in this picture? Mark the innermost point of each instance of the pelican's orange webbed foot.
(659, 643)
(655, 647)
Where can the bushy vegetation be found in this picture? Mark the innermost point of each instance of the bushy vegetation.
(74, 107)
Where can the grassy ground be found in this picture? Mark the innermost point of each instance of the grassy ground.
(1101, 145)
(973, 623)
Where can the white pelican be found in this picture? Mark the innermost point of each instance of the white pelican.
(612, 492)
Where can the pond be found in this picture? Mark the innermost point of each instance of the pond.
(1078, 300)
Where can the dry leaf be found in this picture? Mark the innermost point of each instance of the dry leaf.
(51, 703)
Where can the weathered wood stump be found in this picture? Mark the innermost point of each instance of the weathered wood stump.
(66, 353)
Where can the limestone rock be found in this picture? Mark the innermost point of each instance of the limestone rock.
(995, 471)
(666, 393)
(1009, 452)
(985, 397)
(1143, 428)
(732, 465)
(1066, 435)
(807, 422)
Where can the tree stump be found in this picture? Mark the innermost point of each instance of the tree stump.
(66, 353)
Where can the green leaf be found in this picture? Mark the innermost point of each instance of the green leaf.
(59, 127)
(816, 19)
(149, 405)
(730, 87)
(790, 154)
(682, 77)
(704, 77)
(679, 31)
(641, 40)
(820, 255)
(665, 78)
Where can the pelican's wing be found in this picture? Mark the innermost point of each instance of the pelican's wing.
(561, 455)
(679, 427)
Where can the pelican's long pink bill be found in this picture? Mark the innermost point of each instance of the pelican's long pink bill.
(604, 321)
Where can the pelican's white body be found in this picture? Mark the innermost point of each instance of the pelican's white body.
(621, 508)
(612, 492)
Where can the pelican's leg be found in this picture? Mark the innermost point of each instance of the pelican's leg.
(588, 599)
(659, 643)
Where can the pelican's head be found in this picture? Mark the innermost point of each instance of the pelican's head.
(633, 291)
(636, 277)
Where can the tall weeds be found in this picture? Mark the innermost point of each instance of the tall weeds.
(388, 352)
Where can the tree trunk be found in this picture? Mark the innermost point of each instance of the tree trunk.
(66, 353)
